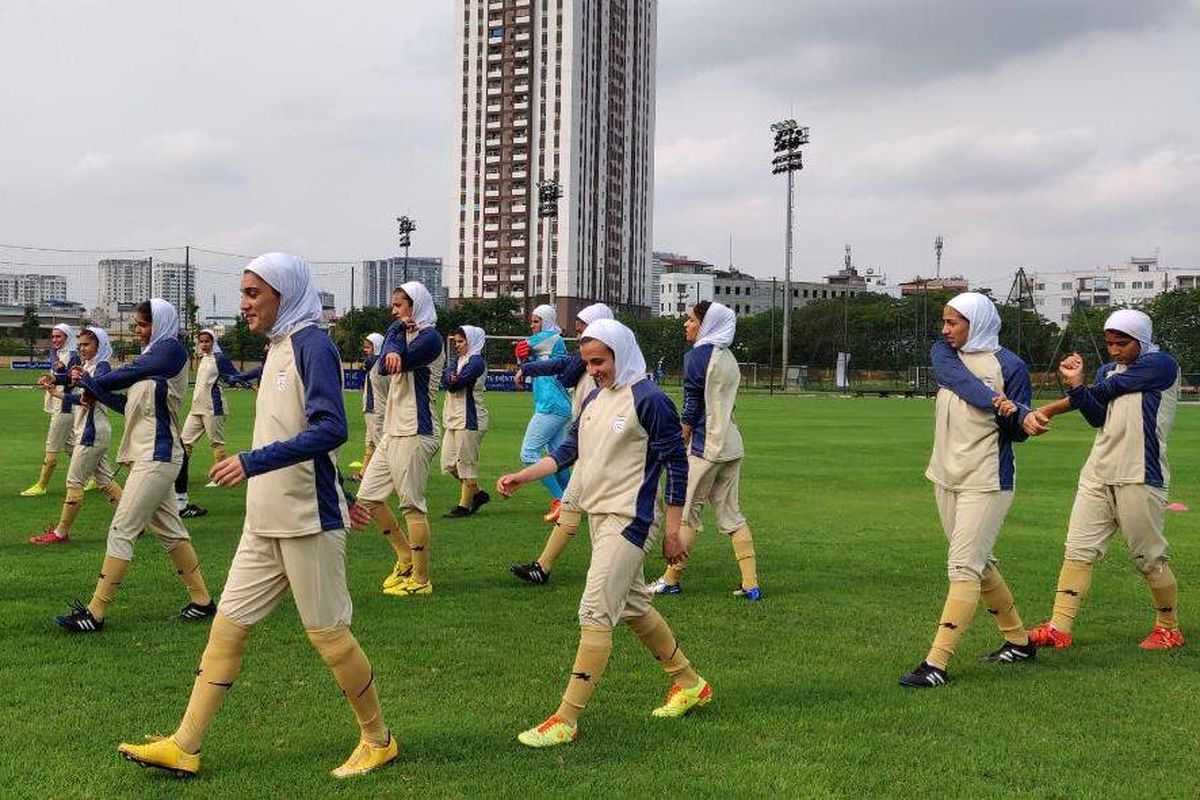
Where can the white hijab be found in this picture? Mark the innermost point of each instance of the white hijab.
(549, 318)
(980, 311)
(164, 322)
(104, 349)
(1134, 323)
(70, 346)
(630, 364)
(718, 326)
(216, 348)
(299, 305)
(376, 340)
(475, 340)
(424, 311)
(593, 312)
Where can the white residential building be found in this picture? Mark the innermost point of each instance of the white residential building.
(123, 280)
(562, 91)
(382, 275)
(1131, 283)
(32, 289)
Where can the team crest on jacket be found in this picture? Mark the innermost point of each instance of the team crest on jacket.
(618, 424)
(281, 381)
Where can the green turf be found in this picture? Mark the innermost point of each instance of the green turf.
(852, 565)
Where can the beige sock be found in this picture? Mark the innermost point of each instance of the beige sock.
(418, 536)
(368, 454)
(219, 666)
(389, 526)
(674, 572)
(743, 551)
(354, 676)
(560, 536)
(218, 452)
(112, 491)
(466, 491)
(187, 566)
(1073, 581)
(999, 601)
(1165, 592)
(48, 465)
(70, 510)
(111, 575)
(656, 634)
(591, 659)
(961, 602)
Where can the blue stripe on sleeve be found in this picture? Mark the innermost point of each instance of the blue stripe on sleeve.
(1150, 405)
(695, 376)
(951, 373)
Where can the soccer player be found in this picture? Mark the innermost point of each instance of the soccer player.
(710, 383)
(207, 415)
(63, 357)
(982, 401)
(551, 406)
(295, 530)
(1123, 485)
(572, 374)
(627, 434)
(412, 356)
(375, 390)
(155, 382)
(89, 458)
(465, 418)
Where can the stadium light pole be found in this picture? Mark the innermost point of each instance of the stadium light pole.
(405, 227)
(549, 193)
(789, 136)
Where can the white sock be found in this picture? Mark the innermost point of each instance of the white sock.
(181, 500)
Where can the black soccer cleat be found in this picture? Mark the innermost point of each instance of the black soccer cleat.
(458, 512)
(925, 676)
(79, 620)
(530, 573)
(479, 500)
(194, 612)
(191, 511)
(1010, 653)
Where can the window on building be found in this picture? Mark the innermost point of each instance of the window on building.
(1118, 284)
(1066, 287)
(1066, 301)
(1041, 287)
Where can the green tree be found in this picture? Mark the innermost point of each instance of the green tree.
(349, 331)
(499, 317)
(31, 326)
(242, 343)
(660, 338)
(1176, 317)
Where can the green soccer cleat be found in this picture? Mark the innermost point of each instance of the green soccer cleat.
(554, 731)
(161, 752)
(681, 701)
(37, 490)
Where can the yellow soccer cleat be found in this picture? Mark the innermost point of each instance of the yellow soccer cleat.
(410, 587)
(554, 731)
(161, 752)
(355, 465)
(37, 490)
(91, 485)
(680, 701)
(368, 758)
(399, 574)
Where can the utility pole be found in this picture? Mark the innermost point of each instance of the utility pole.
(938, 243)
(789, 136)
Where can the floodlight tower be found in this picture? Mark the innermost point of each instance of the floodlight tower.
(549, 193)
(789, 136)
(404, 228)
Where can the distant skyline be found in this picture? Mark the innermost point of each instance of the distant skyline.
(1028, 134)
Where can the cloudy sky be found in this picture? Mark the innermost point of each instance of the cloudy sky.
(1036, 133)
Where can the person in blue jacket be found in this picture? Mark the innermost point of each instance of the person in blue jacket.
(551, 405)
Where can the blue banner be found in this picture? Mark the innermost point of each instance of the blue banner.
(352, 379)
(501, 380)
(30, 365)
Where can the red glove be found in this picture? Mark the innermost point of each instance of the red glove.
(522, 349)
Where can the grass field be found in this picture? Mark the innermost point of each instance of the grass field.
(851, 560)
